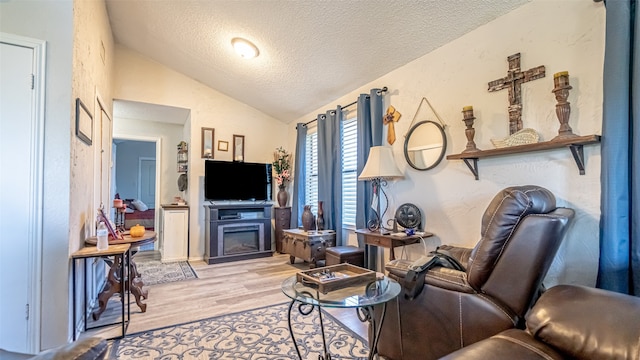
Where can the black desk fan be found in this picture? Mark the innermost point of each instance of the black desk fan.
(409, 217)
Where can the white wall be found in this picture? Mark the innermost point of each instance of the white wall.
(140, 79)
(562, 35)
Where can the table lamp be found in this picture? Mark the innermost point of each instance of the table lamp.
(380, 166)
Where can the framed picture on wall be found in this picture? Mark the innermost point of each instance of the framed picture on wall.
(84, 122)
(207, 143)
(223, 145)
(238, 147)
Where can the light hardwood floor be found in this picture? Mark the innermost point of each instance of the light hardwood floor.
(220, 289)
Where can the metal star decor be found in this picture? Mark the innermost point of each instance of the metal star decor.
(390, 118)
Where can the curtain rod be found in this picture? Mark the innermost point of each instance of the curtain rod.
(384, 89)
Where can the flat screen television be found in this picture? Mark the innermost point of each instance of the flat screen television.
(226, 180)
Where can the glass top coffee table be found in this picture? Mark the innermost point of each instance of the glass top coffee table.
(362, 297)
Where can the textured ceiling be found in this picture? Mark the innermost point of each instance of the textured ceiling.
(311, 52)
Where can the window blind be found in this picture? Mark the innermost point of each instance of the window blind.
(349, 171)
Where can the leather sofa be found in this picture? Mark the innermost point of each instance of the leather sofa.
(521, 231)
(86, 348)
(568, 322)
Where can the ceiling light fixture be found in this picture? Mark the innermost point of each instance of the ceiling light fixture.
(245, 48)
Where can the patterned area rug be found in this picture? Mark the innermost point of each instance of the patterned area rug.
(258, 334)
(154, 271)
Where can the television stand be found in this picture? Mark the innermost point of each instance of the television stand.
(237, 231)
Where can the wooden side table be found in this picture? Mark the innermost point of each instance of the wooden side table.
(389, 241)
(308, 245)
(283, 222)
(120, 253)
(134, 282)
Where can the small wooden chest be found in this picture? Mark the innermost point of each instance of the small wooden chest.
(309, 246)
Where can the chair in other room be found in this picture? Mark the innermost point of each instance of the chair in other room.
(521, 231)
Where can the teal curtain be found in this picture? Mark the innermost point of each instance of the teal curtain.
(330, 170)
(619, 268)
(370, 127)
(299, 176)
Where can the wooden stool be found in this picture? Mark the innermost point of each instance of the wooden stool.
(344, 254)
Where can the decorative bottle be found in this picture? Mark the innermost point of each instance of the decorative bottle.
(320, 220)
(103, 237)
(307, 218)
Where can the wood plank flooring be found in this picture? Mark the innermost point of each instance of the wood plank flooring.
(220, 289)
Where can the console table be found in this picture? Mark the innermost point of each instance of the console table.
(133, 282)
(307, 245)
(389, 241)
(117, 271)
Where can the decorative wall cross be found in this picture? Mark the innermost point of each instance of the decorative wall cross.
(513, 81)
(391, 117)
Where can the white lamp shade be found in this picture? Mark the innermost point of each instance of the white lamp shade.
(380, 165)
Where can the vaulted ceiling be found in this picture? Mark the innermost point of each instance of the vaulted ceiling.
(311, 52)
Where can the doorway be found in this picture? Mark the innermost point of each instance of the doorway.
(136, 176)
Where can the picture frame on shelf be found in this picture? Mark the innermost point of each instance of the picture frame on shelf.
(223, 145)
(207, 143)
(238, 147)
(84, 122)
(103, 217)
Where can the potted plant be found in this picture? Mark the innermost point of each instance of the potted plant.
(282, 167)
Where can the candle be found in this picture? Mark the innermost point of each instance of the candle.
(561, 79)
(467, 113)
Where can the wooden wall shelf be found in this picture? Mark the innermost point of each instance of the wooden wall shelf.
(575, 144)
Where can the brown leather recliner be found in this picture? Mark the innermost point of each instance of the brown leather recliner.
(521, 231)
(568, 322)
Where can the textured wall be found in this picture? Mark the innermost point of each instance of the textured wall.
(562, 35)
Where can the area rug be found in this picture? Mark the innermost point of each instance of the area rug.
(258, 334)
(155, 272)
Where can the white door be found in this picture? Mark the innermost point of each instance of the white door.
(102, 149)
(21, 194)
(147, 176)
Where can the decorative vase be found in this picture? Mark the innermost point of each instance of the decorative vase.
(320, 220)
(307, 218)
(283, 196)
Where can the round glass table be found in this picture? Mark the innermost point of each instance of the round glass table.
(362, 297)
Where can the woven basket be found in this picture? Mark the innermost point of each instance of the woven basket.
(522, 137)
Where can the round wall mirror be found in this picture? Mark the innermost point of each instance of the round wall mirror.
(425, 145)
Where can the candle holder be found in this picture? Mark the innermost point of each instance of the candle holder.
(470, 132)
(563, 107)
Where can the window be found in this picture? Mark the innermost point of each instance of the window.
(311, 187)
(349, 143)
(349, 170)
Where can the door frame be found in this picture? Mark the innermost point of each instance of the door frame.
(158, 141)
(34, 237)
